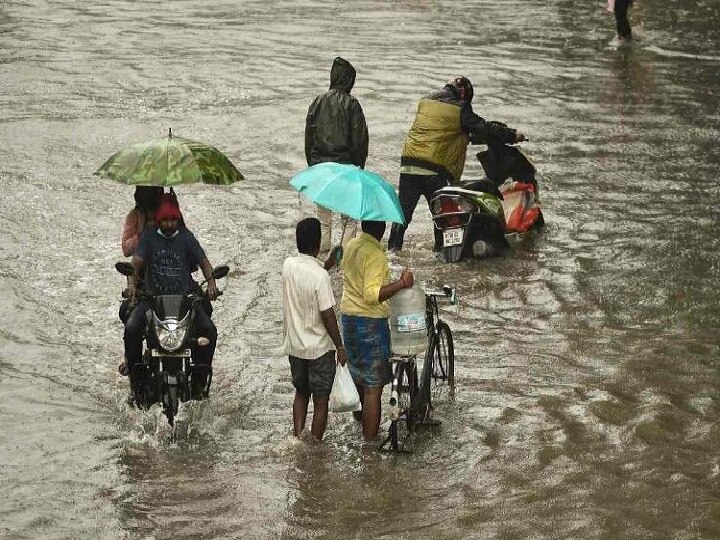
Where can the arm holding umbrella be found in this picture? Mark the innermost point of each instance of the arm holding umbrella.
(139, 268)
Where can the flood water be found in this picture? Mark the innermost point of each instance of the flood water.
(588, 380)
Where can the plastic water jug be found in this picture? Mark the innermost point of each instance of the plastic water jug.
(408, 330)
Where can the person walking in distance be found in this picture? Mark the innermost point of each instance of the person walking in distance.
(620, 9)
(335, 130)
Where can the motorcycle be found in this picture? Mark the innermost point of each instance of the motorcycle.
(165, 374)
(482, 218)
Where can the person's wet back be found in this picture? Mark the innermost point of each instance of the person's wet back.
(365, 313)
(311, 338)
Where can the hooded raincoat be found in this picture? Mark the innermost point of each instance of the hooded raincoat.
(335, 128)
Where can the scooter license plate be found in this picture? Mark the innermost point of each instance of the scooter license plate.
(176, 354)
(453, 237)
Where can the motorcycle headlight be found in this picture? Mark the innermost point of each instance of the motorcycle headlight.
(171, 333)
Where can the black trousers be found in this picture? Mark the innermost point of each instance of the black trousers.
(412, 186)
(621, 21)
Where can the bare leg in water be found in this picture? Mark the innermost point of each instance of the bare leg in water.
(319, 419)
(371, 412)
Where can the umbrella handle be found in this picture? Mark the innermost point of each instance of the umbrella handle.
(342, 235)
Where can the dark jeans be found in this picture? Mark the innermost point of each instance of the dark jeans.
(412, 186)
(621, 20)
(203, 326)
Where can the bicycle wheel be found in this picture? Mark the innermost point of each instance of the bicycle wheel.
(402, 427)
(444, 364)
(422, 405)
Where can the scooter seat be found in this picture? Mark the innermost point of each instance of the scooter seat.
(483, 186)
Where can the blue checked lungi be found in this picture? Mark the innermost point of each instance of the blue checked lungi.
(367, 344)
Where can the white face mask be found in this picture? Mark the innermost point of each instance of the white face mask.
(159, 231)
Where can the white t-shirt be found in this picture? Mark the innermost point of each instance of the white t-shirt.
(306, 292)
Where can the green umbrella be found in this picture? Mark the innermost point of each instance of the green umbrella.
(170, 161)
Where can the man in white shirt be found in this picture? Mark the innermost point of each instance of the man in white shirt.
(311, 335)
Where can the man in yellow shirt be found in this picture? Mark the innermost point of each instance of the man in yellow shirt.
(365, 313)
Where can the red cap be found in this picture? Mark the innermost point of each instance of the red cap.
(168, 209)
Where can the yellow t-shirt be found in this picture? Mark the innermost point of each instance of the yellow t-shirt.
(365, 271)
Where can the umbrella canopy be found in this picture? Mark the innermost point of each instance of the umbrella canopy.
(349, 190)
(169, 161)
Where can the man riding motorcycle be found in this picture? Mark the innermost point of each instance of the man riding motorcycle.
(164, 260)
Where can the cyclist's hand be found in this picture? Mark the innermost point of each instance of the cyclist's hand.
(520, 137)
(341, 356)
(407, 278)
(212, 290)
(130, 292)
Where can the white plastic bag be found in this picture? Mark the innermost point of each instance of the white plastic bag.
(344, 396)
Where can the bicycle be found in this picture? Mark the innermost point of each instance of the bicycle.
(410, 398)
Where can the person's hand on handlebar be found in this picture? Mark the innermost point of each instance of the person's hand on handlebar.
(520, 137)
(130, 292)
(212, 290)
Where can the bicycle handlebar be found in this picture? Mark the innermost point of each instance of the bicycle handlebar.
(446, 292)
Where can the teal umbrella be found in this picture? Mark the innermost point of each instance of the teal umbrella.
(350, 190)
(169, 161)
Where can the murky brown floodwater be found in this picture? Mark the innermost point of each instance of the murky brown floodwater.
(588, 372)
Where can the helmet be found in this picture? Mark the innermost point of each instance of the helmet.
(463, 87)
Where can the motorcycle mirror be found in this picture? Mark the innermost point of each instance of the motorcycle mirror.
(221, 271)
(125, 268)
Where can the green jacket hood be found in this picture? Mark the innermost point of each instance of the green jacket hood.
(342, 75)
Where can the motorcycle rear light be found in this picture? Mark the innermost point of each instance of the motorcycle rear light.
(466, 206)
(449, 206)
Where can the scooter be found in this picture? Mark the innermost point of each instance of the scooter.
(165, 374)
(482, 218)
